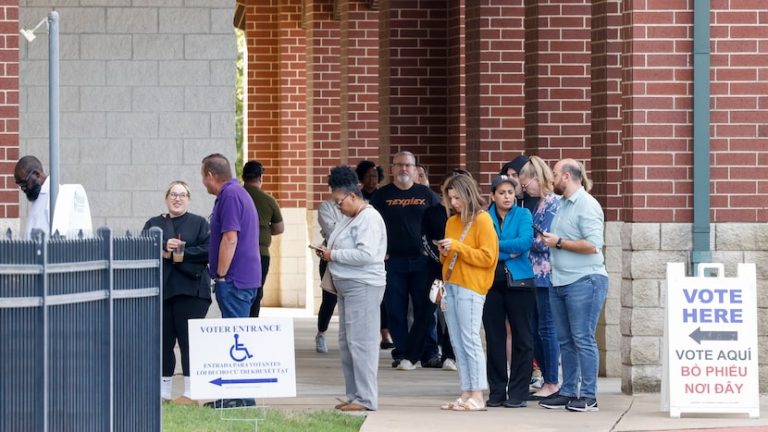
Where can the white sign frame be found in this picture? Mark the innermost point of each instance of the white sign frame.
(709, 365)
(242, 358)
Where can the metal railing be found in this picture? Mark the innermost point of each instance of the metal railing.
(80, 333)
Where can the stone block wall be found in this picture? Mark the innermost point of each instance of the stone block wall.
(147, 90)
(646, 249)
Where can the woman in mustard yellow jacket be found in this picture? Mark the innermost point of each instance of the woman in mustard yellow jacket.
(469, 253)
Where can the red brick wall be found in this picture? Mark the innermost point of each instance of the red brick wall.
(9, 107)
(494, 84)
(323, 88)
(656, 111)
(417, 84)
(739, 116)
(359, 70)
(557, 78)
(456, 92)
(277, 96)
(606, 106)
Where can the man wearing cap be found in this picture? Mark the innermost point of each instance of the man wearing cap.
(579, 286)
(512, 169)
(270, 222)
(31, 179)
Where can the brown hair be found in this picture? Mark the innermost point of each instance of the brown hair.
(469, 193)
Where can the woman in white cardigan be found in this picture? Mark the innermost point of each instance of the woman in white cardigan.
(355, 255)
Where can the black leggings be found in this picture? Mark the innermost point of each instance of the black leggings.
(327, 305)
(176, 311)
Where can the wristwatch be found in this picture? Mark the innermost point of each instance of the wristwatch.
(220, 278)
(559, 243)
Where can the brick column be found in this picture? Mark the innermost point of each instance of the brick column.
(416, 58)
(9, 107)
(656, 175)
(456, 81)
(494, 83)
(277, 97)
(606, 106)
(359, 70)
(557, 79)
(323, 129)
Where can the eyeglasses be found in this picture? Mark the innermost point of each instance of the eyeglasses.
(25, 182)
(175, 195)
(403, 165)
(341, 201)
(525, 186)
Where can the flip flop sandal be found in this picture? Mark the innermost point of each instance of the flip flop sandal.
(448, 406)
(470, 405)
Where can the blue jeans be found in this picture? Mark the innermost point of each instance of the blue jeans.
(464, 315)
(234, 302)
(545, 345)
(576, 309)
(407, 277)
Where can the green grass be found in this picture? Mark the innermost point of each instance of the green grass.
(192, 419)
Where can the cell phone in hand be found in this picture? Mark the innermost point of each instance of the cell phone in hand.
(315, 248)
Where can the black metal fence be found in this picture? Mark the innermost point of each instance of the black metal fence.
(80, 333)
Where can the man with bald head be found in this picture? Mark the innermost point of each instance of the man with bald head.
(31, 179)
(579, 286)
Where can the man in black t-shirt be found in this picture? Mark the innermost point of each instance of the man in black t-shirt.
(402, 204)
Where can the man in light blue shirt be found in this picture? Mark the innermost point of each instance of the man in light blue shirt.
(579, 286)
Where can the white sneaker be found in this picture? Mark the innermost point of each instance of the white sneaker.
(449, 365)
(320, 345)
(406, 365)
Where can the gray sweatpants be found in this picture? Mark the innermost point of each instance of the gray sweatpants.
(359, 340)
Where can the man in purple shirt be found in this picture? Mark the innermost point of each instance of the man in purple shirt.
(235, 264)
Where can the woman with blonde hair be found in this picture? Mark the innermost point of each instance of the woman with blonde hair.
(536, 179)
(186, 283)
(469, 253)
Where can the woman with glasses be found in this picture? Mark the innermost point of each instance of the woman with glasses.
(186, 283)
(355, 255)
(537, 178)
(469, 253)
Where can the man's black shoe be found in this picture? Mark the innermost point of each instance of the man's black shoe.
(555, 401)
(494, 403)
(582, 405)
(396, 363)
(515, 403)
(434, 362)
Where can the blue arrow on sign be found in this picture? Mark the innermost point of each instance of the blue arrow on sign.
(221, 381)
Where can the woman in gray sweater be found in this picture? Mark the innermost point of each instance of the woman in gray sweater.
(355, 255)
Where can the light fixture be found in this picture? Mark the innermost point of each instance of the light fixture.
(29, 35)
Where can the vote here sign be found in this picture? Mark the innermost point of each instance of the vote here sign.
(710, 342)
(242, 358)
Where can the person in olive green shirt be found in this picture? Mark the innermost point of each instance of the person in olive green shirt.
(270, 222)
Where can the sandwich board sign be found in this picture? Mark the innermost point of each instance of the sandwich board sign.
(241, 358)
(710, 342)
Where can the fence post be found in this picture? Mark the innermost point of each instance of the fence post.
(41, 245)
(105, 236)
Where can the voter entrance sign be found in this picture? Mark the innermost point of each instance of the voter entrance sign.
(241, 358)
(710, 342)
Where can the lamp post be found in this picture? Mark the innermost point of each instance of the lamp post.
(53, 102)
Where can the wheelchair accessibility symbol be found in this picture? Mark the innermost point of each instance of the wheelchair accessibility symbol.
(238, 352)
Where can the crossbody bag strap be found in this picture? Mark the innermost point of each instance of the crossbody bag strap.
(456, 254)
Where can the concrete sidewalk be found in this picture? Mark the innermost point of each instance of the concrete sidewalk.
(409, 400)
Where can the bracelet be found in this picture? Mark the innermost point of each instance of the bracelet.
(559, 244)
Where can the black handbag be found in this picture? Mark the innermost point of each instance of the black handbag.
(517, 283)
